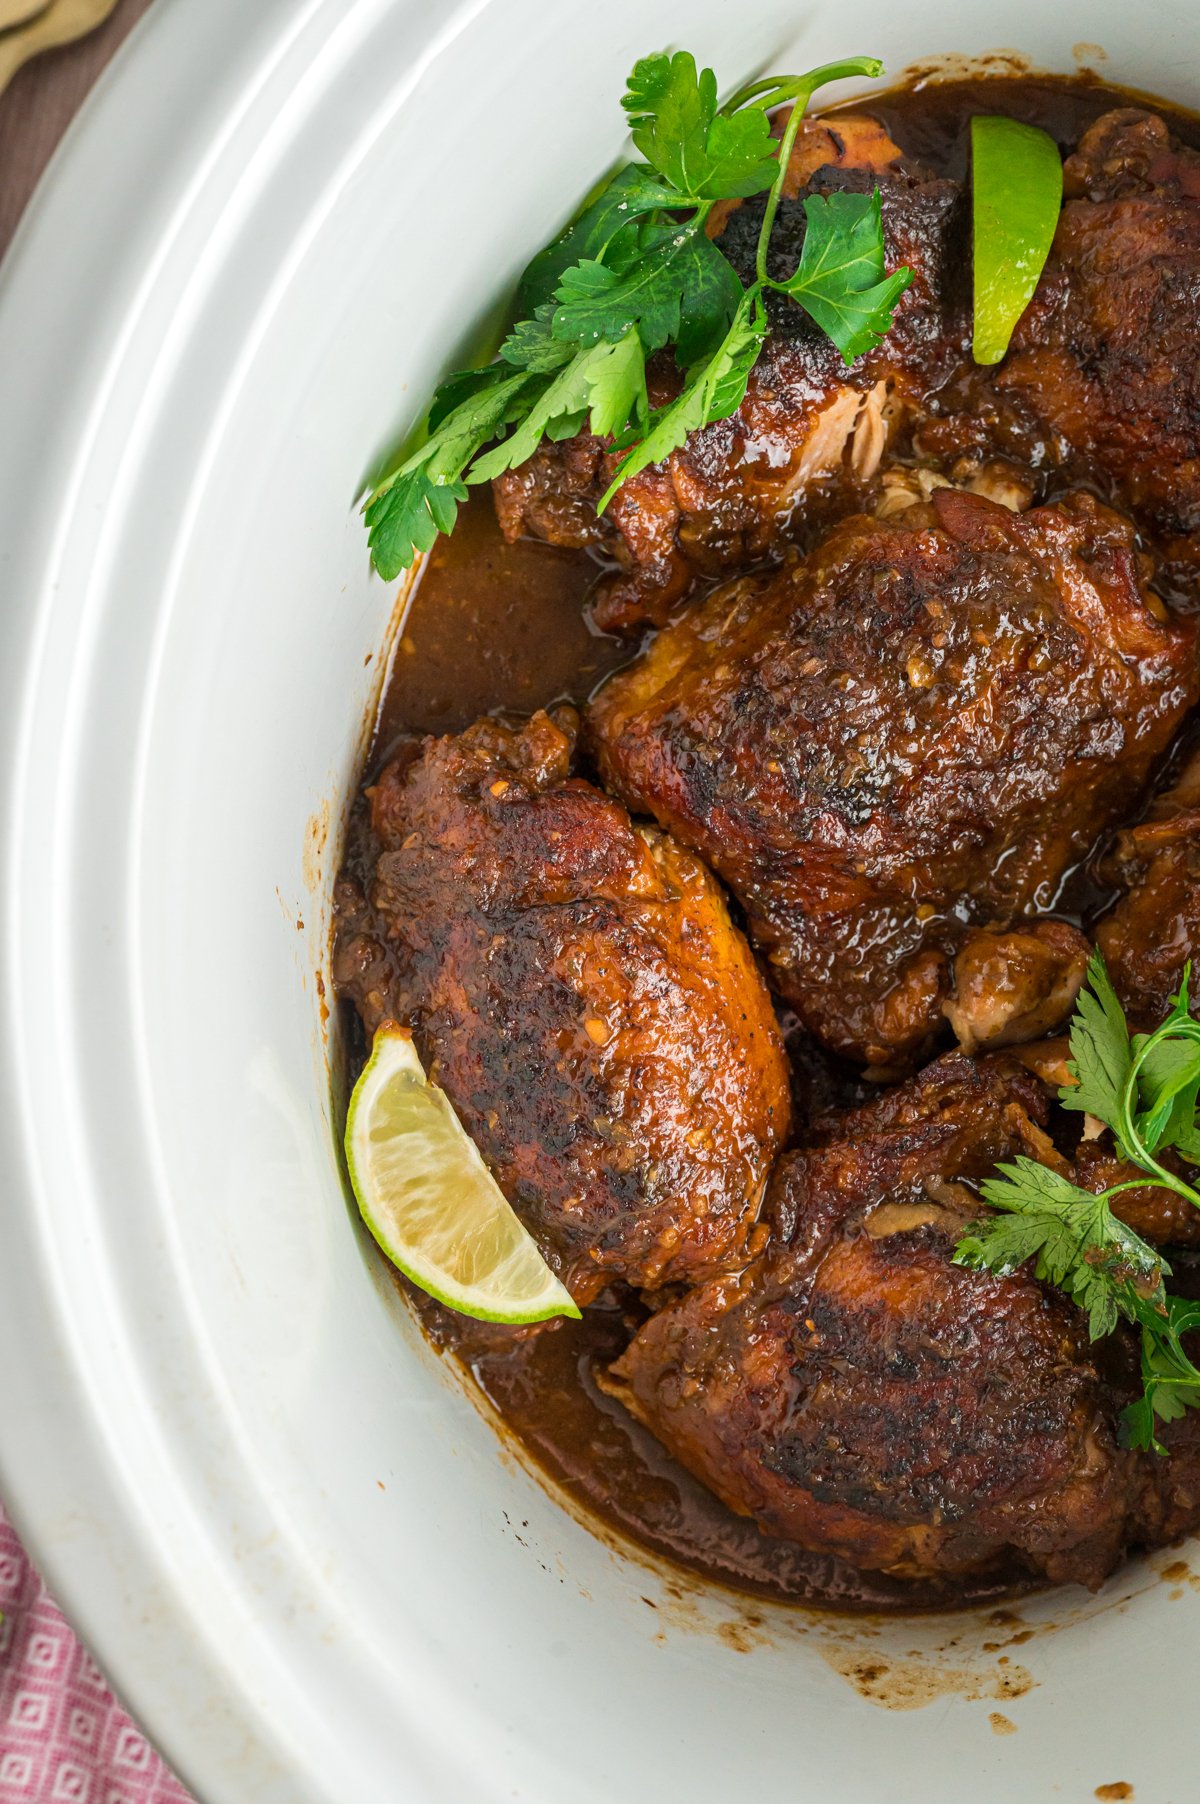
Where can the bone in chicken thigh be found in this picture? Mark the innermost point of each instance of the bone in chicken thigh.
(858, 1393)
(809, 432)
(921, 725)
(929, 744)
(576, 986)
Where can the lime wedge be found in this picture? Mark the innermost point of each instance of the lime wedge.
(1016, 192)
(431, 1202)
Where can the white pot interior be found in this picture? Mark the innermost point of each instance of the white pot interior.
(315, 1568)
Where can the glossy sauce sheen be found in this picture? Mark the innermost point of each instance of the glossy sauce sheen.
(493, 626)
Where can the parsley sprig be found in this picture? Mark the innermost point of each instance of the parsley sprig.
(1145, 1088)
(637, 273)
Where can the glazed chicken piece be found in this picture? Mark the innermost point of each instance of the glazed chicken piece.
(810, 431)
(1104, 368)
(1147, 940)
(1015, 984)
(577, 988)
(918, 727)
(1157, 1214)
(856, 1392)
(1107, 352)
(1154, 929)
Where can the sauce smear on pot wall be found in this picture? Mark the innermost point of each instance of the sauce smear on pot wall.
(496, 626)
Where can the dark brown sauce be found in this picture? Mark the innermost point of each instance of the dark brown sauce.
(931, 121)
(607, 1463)
(492, 626)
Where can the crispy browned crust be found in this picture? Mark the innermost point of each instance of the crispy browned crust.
(576, 986)
(857, 1392)
(809, 434)
(1153, 932)
(1106, 354)
(922, 724)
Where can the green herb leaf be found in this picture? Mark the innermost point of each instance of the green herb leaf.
(418, 501)
(1101, 1054)
(675, 124)
(1077, 1241)
(635, 273)
(679, 289)
(1171, 1383)
(407, 517)
(458, 389)
(608, 379)
(712, 390)
(616, 386)
(624, 199)
(839, 280)
(1187, 1143)
(1168, 1086)
(1080, 1246)
(1074, 1238)
(531, 345)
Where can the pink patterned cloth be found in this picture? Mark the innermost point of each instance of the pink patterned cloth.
(64, 1739)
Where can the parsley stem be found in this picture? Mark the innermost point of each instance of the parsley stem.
(800, 89)
(1169, 1030)
(774, 90)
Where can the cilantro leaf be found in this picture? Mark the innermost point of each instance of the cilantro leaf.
(675, 124)
(1077, 1242)
(840, 279)
(1170, 1382)
(1187, 1143)
(409, 508)
(461, 387)
(624, 199)
(408, 516)
(1079, 1245)
(1145, 1089)
(531, 345)
(680, 289)
(607, 379)
(1181, 1007)
(1073, 1237)
(712, 390)
(1168, 1086)
(616, 386)
(1101, 1054)
(634, 273)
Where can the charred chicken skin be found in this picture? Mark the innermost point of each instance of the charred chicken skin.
(920, 726)
(1102, 378)
(1106, 355)
(1154, 930)
(857, 1392)
(809, 432)
(577, 988)
(1013, 985)
(1148, 939)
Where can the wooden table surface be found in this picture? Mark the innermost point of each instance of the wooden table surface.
(40, 102)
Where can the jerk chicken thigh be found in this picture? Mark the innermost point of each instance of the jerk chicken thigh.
(1106, 354)
(577, 988)
(1153, 932)
(1149, 938)
(918, 727)
(858, 1393)
(923, 749)
(1102, 378)
(809, 431)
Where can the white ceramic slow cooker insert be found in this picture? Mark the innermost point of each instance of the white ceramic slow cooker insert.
(285, 1530)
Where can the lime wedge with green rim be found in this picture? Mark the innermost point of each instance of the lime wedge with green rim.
(431, 1202)
(1016, 196)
